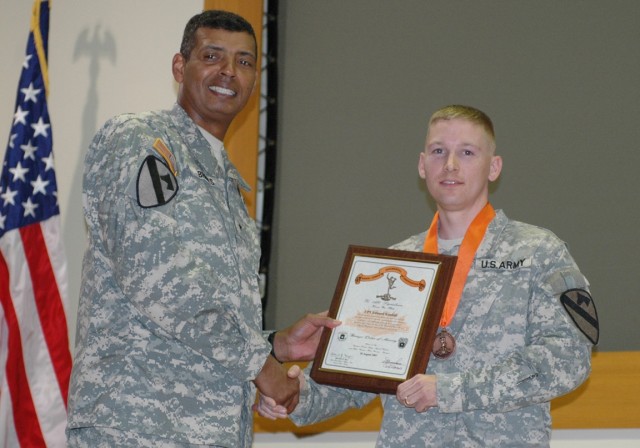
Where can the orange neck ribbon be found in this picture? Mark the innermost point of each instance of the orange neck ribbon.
(467, 252)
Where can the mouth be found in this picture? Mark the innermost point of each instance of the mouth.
(450, 182)
(222, 91)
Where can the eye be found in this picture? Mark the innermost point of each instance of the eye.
(212, 56)
(246, 62)
(468, 152)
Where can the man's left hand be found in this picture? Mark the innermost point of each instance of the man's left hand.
(419, 392)
(299, 342)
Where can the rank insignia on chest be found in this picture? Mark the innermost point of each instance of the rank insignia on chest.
(580, 307)
(166, 154)
(156, 183)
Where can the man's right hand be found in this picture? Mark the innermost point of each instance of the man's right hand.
(274, 382)
(268, 408)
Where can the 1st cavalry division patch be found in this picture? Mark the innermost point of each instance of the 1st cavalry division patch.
(582, 311)
(156, 183)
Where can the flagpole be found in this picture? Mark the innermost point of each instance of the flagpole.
(37, 36)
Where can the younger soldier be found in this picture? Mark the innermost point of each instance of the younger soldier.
(507, 342)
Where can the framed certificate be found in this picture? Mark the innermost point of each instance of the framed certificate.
(390, 303)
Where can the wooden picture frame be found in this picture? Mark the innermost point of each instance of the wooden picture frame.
(390, 303)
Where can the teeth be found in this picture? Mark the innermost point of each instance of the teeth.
(222, 90)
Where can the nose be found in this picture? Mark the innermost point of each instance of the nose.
(451, 163)
(228, 68)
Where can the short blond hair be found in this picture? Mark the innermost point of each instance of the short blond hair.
(466, 113)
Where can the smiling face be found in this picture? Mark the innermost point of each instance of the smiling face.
(458, 163)
(217, 79)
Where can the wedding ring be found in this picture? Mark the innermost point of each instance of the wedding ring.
(406, 403)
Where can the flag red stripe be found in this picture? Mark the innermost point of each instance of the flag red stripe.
(48, 303)
(28, 431)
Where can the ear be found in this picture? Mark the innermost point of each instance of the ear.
(495, 168)
(421, 170)
(177, 67)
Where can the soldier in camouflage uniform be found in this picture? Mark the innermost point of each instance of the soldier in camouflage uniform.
(519, 341)
(169, 337)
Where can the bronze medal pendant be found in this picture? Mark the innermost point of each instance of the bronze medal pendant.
(444, 345)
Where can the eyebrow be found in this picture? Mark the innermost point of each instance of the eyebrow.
(463, 144)
(226, 50)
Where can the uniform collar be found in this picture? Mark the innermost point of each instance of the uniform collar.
(201, 148)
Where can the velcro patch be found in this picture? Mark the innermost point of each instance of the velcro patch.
(156, 183)
(166, 154)
(582, 310)
(503, 265)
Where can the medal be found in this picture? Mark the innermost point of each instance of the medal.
(444, 345)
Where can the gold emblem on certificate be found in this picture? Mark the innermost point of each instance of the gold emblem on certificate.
(390, 303)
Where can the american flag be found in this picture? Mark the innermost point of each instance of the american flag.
(35, 361)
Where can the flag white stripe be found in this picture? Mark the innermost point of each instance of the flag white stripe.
(8, 436)
(51, 230)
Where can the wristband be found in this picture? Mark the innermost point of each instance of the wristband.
(270, 338)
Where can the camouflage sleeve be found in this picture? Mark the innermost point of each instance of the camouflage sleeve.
(169, 281)
(319, 402)
(555, 360)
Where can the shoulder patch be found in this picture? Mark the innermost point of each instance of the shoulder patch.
(156, 183)
(582, 310)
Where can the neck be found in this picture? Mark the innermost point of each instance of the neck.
(218, 131)
(218, 128)
(212, 139)
(453, 224)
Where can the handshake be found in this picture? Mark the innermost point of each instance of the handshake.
(280, 389)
